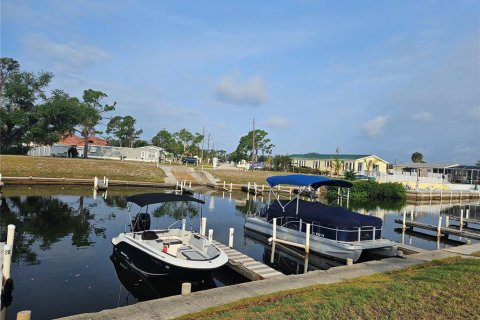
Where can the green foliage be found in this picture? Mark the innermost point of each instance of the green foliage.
(349, 175)
(165, 140)
(368, 189)
(19, 93)
(91, 112)
(189, 141)
(417, 157)
(124, 129)
(337, 166)
(281, 163)
(54, 117)
(245, 145)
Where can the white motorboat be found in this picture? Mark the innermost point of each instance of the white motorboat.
(187, 254)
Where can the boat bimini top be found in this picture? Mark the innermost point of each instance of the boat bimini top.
(302, 180)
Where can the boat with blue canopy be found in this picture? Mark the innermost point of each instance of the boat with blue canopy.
(332, 231)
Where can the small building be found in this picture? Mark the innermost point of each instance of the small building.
(362, 164)
(452, 172)
(74, 140)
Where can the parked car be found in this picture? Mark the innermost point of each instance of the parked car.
(191, 160)
(257, 166)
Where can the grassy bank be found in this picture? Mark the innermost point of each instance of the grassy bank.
(441, 289)
(49, 167)
(244, 177)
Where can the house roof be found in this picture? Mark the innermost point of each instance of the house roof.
(72, 139)
(424, 165)
(318, 156)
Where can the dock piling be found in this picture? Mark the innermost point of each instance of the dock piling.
(307, 239)
(186, 288)
(7, 261)
(24, 315)
(210, 235)
(349, 262)
(230, 238)
(404, 218)
(447, 221)
(203, 226)
(10, 234)
(439, 228)
(461, 219)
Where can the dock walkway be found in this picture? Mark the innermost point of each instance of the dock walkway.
(246, 266)
(444, 231)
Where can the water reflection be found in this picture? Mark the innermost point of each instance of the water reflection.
(63, 243)
(144, 288)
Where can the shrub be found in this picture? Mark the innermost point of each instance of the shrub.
(368, 189)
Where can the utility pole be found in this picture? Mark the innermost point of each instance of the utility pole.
(253, 142)
(203, 142)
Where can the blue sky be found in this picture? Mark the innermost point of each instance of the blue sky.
(381, 77)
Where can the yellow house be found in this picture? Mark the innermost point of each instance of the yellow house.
(363, 164)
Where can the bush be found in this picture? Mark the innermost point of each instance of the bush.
(368, 189)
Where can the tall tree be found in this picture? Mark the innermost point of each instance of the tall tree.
(417, 157)
(59, 114)
(91, 112)
(19, 91)
(188, 140)
(245, 145)
(165, 140)
(124, 129)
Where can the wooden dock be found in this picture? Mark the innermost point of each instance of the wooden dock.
(466, 221)
(247, 266)
(442, 230)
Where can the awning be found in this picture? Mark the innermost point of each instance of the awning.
(143, 199)
(306, 180)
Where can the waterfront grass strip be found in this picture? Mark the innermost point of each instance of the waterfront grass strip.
(441, 289)
(78, 168)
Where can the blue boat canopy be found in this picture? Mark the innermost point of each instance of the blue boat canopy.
(305, 180)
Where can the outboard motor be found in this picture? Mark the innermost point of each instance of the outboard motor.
(141, 222)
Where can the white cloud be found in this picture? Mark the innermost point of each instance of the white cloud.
(70, 56)
(252, 92)
(276, 122)
(423, 116)
(374, 127)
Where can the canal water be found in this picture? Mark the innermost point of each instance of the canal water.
(62, 256)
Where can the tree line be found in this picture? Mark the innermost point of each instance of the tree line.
(29, 115)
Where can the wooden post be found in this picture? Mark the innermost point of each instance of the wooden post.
(231, 187)
(349, 262)
(307, 239)
(263, 187)
(467, 213)
(404, 219)
(230, 238)
(290, 191)
(248, 187)
(24, 315)
(190, 184)
(7, 261)
(439, 227)
(411, 215)
(274, 230)
(95, 183)
(224, 185)
(210, 235)
(186, 288)
(461, 219)
(203, 226)
(106, 183)
(10, 234)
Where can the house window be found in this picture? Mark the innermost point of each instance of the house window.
(316, 164)
(301, 163)
(327, 164)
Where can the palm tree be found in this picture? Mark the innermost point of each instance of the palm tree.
(337, 166)
(417, 157)
(369, 165)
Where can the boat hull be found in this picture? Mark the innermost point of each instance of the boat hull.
(324, 246)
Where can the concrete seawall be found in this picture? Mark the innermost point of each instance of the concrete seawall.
(175, 306)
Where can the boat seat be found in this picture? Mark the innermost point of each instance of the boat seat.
(197, 242)
(192, 254)
(149, 235)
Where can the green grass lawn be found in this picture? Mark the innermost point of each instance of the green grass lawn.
(49, 167)
(441, 289)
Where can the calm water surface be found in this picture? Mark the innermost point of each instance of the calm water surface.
(62, 253)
